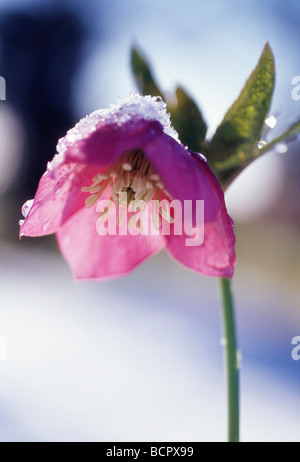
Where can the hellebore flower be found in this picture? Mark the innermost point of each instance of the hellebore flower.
(130, 147)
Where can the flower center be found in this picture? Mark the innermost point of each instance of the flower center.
(134, 175)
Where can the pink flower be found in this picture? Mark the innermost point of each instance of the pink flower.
(130, 147)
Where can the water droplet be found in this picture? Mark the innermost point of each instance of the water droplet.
(26, 208)
(271, 121)
(261, 144)
(185, 146)
(21, 222)
(202, 157)
(281, 148)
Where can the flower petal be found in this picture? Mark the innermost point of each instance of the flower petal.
(91, 256)
(58, 196)
(109, 142)
(216, 256)
(98, 141)
(182, 175)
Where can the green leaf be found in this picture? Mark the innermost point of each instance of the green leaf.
(143, 75)
(232, 146)
(188, 121)
(287, 136)
(186, 118)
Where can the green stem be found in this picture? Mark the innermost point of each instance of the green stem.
(231, 361)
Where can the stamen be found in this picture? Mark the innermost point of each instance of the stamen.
(91, 189)
(118, 185)
(148, 196)
(137, 182)
(149, 185)
(127, 167)
(98, 178)
(91, 200)
(135, 176)
(154, 177)
(140, 194)
(115, 197)
(127, 179)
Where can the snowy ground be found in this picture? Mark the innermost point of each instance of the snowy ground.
(138, 359)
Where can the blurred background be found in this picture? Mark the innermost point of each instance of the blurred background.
(140, 358)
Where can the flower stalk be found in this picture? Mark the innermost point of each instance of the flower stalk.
(232, 365)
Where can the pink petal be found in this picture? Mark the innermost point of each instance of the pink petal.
(184, 177)
(216, 256)
(109, 142)
(91, 256)
(58, 196)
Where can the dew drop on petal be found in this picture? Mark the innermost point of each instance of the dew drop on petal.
(27, 207)
(21, 222)
(202, 157)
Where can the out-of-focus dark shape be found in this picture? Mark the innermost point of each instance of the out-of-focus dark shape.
(188, 120)
(186, 117)
(41, 51)
(11, 147)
